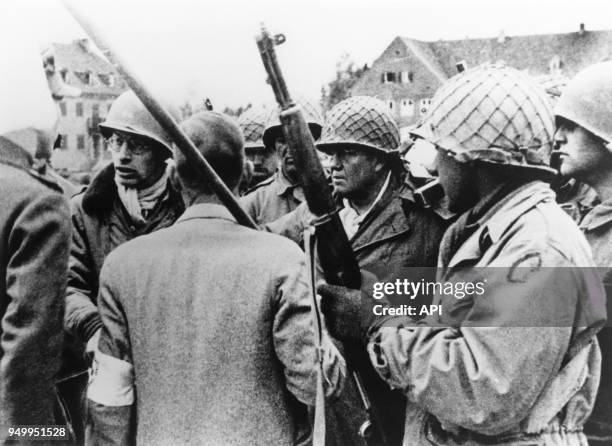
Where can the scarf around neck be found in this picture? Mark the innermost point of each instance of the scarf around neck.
(139, 202)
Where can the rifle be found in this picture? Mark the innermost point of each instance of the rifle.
(164, 118)
(335, 253)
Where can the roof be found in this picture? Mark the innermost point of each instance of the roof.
(533, 52)
(76, 59)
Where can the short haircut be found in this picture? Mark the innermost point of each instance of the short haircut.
(219, 140)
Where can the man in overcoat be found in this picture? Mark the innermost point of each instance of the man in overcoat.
(207, 332)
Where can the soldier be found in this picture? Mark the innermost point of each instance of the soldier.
(252, 124)
(387, 229)
(130, 197)
(491, 368)
(34, 238)
(211, 353)
(279, 194)
(584, 139)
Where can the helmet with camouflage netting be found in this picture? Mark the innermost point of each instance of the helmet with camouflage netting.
(363, 122)
(312, 116)
(495, 114)
(252, 124)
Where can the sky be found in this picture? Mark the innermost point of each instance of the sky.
(190, 49)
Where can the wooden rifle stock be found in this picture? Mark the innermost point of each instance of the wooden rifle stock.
(334, 250)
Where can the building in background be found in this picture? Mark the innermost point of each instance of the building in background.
(408, 73)
(82, 144)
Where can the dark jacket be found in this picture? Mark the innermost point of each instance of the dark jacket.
(211, 323)
(100, 223)
(34, 249)
(396, 234)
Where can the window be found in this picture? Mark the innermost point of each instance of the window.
(405, 77)
(391, 105)
(424, 105)
(407, 108)
(79, 109)
(63, 141)
(389, 76)
(81, 142)
(63, 109)
(95, 110)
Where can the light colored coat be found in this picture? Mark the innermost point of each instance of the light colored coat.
(214, 320)
(491, 376)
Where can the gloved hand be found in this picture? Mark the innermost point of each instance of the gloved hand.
(346, 310)
(342, 309)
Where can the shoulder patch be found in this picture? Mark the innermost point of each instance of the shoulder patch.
(524, 267)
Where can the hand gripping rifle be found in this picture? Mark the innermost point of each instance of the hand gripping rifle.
(335, 253)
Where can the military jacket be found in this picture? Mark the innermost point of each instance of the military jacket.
(272, 198)
(487, 376)
(34, 248)
(597, 227)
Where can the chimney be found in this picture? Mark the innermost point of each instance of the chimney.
(582, 30)
(501, 38)
(84, 44)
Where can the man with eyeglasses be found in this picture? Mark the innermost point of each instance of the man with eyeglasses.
(130, 197)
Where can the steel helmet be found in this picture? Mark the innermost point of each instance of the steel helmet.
(127, 114)
(312, 115)
(360, 121)
(492, 113)
(587, 100)
(252, 124)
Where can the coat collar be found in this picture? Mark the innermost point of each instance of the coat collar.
(206, 210)
(490, 227)
(99, 196)
(599, 216)
(13, 155)
(282, 183)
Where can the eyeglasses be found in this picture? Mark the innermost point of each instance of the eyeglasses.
(135, 145)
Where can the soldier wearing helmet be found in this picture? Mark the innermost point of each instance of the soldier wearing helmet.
(488, 369)
(584, 143)
(386, 227)
(281, 193)
(252, 123)
(130, 197)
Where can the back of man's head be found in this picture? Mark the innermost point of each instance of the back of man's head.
(219, 140)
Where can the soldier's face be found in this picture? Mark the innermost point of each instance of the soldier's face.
(353, 171)
(457, 181)
(136, 163)
(582, 154)
(284, 155)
